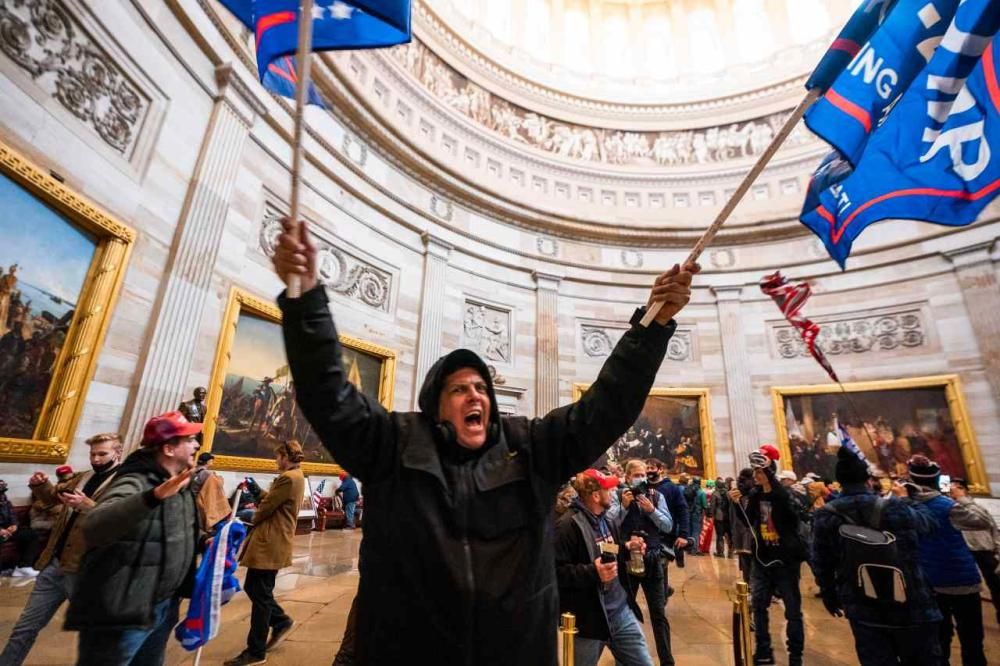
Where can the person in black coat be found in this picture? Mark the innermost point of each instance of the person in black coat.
(457, 558)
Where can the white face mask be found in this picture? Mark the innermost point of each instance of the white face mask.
(637, 480)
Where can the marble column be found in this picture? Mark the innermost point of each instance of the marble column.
(977, 277)
(432, 299)
(681, 38)
(176, 319)
(557, 30)
(546, 343)
(736, 361)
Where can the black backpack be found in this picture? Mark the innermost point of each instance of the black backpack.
(870, 559)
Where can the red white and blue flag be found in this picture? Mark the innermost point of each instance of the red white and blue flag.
(317, 496)
(214, 584)
(791, 298)
(337, 25)
(914, 118)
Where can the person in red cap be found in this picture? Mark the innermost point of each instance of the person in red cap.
(142, 539)
(457, 558)
(589, 552)
(59, 562)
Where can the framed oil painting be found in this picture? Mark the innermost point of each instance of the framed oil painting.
(675, 426)
(62, 261)
(251, 404)
(890, 421)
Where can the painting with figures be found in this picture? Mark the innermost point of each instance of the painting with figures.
(889, 426)
(674, 427)
(258, 408)
(44, 262)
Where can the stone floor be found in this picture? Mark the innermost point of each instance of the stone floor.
(317, 591)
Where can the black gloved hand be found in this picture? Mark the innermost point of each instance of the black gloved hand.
(832, 606)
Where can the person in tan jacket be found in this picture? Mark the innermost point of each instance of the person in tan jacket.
(269, 548)
(60, 560)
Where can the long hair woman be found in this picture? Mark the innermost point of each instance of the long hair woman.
(268, 549)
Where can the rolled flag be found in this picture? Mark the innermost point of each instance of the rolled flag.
(214, 584)
(791, 298)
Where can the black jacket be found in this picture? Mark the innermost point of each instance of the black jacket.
(777, 512)
(139, 550)
(579, 584)
(457, 557)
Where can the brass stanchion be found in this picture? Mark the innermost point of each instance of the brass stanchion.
(742, 642)
(568, 630)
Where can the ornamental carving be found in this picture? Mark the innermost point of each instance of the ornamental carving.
(339, 271)
(442, 207)
(355, 150)
(547, 246)
(487, 329)
(598, 341)
(580, 142)
(632, 258)
(886, 331)
(44, 39)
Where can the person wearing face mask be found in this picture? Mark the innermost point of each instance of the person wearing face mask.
(60, 560)
(642, 511)
(457, 558)
(141, 538)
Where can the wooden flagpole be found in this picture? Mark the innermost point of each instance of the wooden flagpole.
(302, 62)
(741, 191)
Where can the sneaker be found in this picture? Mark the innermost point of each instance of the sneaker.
(28, 572)
(766, 659)
(279, 634)
(247, 659)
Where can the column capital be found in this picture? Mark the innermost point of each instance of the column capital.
(728, 294)
(237, 94)
(436, 247)
(546, 281)
(971, 255)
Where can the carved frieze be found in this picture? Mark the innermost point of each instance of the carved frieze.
(599, 339)
(855, 333)
(486, 329)
(580, 142)
(340, 271)
(45, 40)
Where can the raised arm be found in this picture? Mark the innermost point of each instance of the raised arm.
(356, 429)
(571, 438)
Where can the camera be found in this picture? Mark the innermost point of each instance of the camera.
(640, 489)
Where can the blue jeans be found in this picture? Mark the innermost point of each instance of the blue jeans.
(141, 647)
(349, 508)
(52, 588)
(627, 644)
(764, 582)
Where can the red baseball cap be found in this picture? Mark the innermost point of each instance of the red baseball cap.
(63, 469)
(606, 482)
(164, 427)
(771, 451)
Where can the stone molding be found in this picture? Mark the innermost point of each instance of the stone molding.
(873, 331)
(339, 270)
(597, 339)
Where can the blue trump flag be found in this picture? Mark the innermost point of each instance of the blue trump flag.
(865, 20)
(337, 24)
(214, 584)
(932, 158)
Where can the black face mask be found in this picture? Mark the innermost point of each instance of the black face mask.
(100, 469)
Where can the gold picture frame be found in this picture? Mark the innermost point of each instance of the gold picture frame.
(243, 302)
(74, 366)
(703, 396)
(951, 385)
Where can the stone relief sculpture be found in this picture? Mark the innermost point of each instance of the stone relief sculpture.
(857, 335)
(589, 144)
(487, 330)
(598, 341)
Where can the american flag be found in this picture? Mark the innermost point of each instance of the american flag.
(317, 495)
(791, 298)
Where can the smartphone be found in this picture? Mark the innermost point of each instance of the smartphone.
(945, 484)
(609, 553)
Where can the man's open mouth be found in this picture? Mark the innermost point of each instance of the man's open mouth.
(474, 419)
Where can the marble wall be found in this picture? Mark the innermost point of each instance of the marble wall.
(207, 173)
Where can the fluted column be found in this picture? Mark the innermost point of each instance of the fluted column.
(175, 322)
(739, 388)
(977, 278)
(679, 30)
(546, 343)
(436, 254)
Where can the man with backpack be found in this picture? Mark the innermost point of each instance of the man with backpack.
(864, 557)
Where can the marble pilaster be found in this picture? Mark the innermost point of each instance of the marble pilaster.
(432, 298)
(546, 343)
(736, 361)
(191, 263)
(977, 278)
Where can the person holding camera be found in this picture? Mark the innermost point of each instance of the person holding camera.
(643, 512)
(778, 555)
(589, 551)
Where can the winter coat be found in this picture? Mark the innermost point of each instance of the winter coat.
(348, 490)
(718, 506)
(69, 525)
(984, 539)
(740, 531)
(140, 550)
(788, 546)
(269, 545)
(579, 584)
(944, 555)
(674, 496)
(907, 521)
(457, 559)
